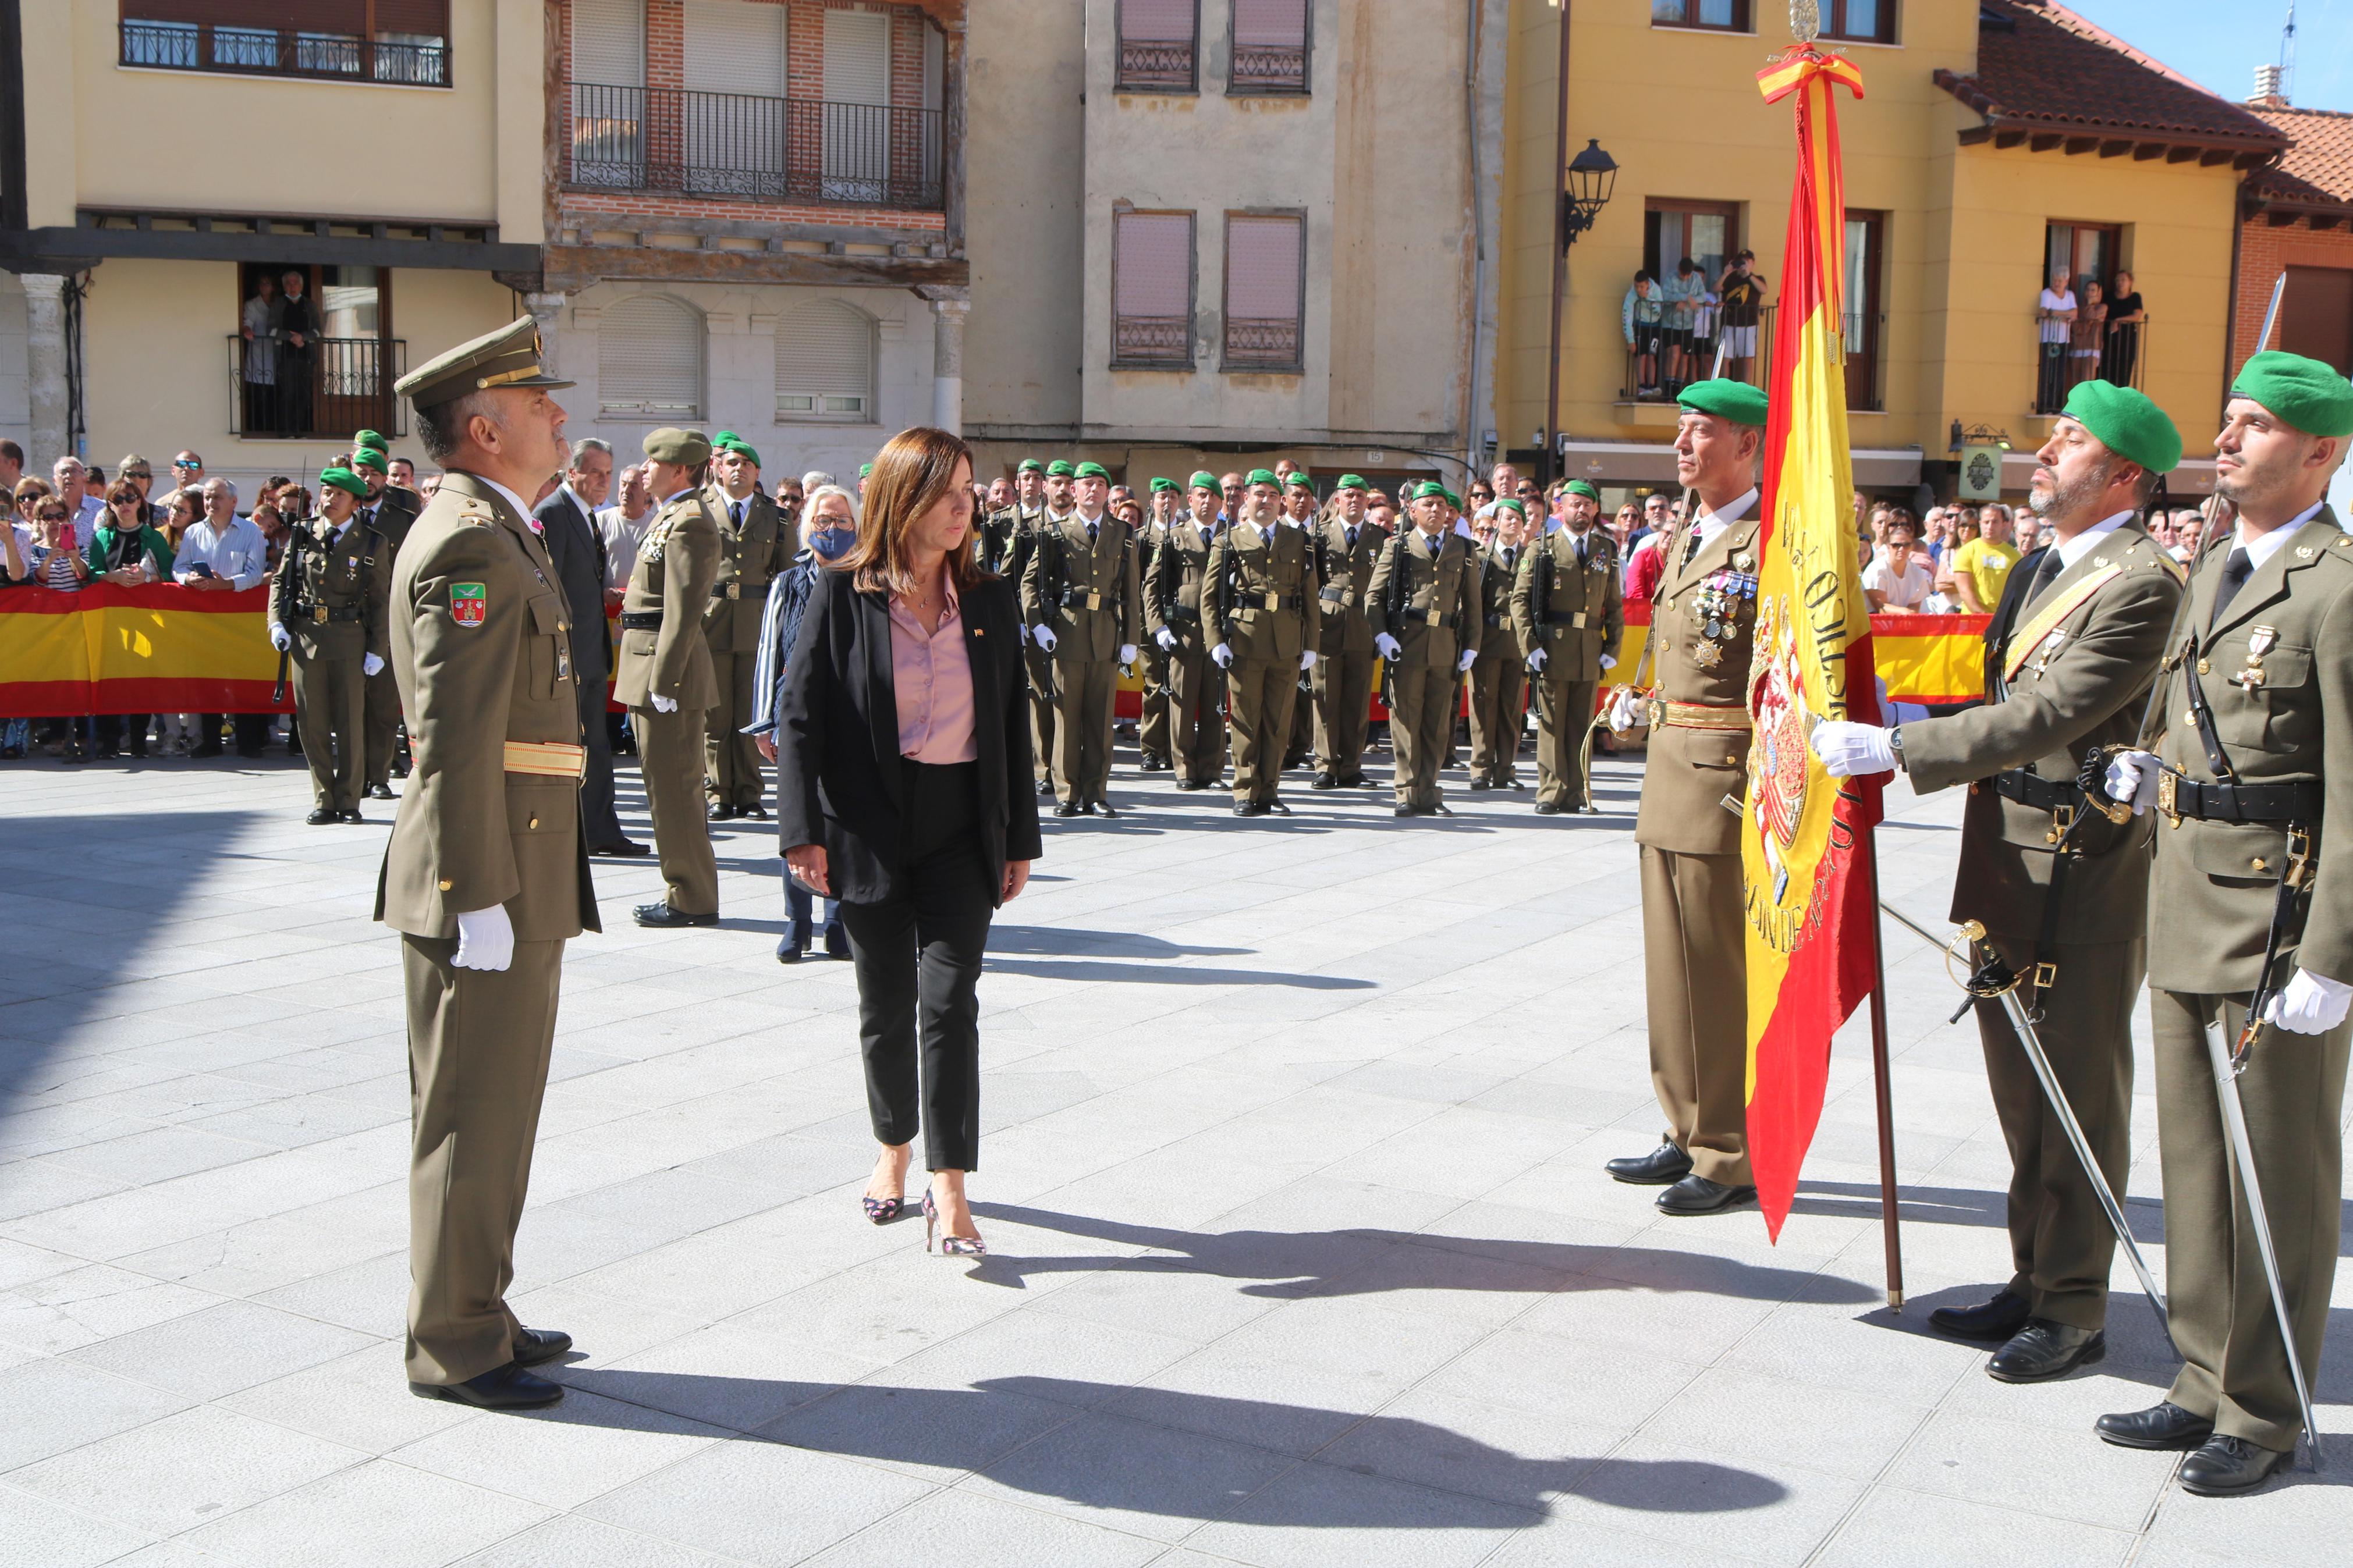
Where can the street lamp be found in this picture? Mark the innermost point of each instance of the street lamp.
(1592, 175)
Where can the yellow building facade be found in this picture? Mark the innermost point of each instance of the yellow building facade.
(1965, 182)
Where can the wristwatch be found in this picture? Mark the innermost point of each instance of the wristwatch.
(1895, 744)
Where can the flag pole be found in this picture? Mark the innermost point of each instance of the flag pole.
(1883, 1085)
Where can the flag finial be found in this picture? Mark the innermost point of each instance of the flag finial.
(1805, 20)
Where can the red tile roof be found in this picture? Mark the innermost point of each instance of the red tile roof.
(2318, 169)
(2042, 68)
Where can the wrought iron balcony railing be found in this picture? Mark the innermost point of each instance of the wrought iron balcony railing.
(741, 147)
(323, 391)
(283, 51)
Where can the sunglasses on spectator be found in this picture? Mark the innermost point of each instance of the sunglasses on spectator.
(186, 463)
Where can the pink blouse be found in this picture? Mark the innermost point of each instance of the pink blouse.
(931, 674)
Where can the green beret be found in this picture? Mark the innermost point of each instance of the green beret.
(1733, 400)
(1352, 483)
(1159, 484)
(370, 457)
(343, 479)
(1513, 503)
(1452, 499)
(2306, 392)
(2128, 423)
(1579, 487)
(1204, 481)
(372, 439)
(1029, 465)
(687, 449)
(1060, 468)
(741, 449)
(1262, 477)
(1429, 488)
(865, 470)
(1091, 471)
(508, 357)
(1298, 481)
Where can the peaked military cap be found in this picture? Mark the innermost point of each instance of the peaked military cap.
(1091, 471)
(343, 479)
(2129, 423)
(671, 444)
(2306, 392)
(507, 357)
(1733, 400)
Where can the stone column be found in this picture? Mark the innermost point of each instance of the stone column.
(947, 363)
(548, 309)
(45, 363)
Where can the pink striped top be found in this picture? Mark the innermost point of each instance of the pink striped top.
(932, 675)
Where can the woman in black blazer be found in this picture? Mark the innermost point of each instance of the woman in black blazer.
(902, 782)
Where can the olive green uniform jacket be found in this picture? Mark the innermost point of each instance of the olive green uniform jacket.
(677, 563)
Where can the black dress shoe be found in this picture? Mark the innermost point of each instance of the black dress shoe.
(1481, 784)
(1407, 811)
(626, 849)
(1324, 781)
(2044, 1350)
(352, 815)
(661, 917)
(1995, 1319)
(534, 1346)
(1547, 808)
(322, 816)
(1189, 784)
(1045, 786)
(1660, 1167)
(2226, 1467)
(1067, 808)
(1697, 1195)
(1105, 806)
(1087, 808)
(1249, 808)
(755, 811)
(1355, 781)
(379, 791)
(506, 1388)
(722, 812)
(2161, 1426)
(1276, 806)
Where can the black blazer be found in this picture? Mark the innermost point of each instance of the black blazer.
(839, 773)
(578, 549)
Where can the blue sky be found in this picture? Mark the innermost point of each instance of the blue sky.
(2218, 45)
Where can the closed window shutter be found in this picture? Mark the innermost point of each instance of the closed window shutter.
(1262, 269)
(650, 361)
(825, 364)
(735, 46)
(1157, 21)
(857, 57)
(1154, 264)
(1280, 22)
(608, 42)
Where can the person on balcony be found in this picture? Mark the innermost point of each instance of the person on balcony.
(260, 331)
(297, 351)
(1740, 292)
(1683, 293)
(2090, 333)
(2120, 353)
(2055, 310)
(1642, 319)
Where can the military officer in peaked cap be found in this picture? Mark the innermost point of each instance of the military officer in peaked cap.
(486, 873)
(1569, 608)
(2263, 656)
(1694, 941)
(2063, 890)
(328, 604)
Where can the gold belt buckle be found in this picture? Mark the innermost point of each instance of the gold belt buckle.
(2062, 818)
(1577, 620)
(1656, 715)
(1094, 600)
(1274, 601)
(2299, 857)
(318, 613)
(1433, 617)
(2046, 975)
(735, 590)
(2168, 782)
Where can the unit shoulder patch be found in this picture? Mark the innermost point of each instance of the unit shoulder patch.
(470, 603)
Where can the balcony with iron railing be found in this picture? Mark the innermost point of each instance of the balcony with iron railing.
(1267, 69)
(322, 393)
(2118, 354)
(285, 51)
(1267, 344)
(1663, 360)
(739, 147)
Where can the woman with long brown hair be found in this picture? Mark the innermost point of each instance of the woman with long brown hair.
(903, 785)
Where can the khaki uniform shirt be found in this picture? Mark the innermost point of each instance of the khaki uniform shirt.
(1259, 588)
(1575, 610)
(750, 558)
(334, 594)
(1433, 612)
(677, 563)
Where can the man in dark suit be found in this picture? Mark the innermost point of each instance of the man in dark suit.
(297, 351)
(577, 547)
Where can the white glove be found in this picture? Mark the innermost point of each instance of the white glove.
(1306, 658)
(2312, 1004)
(1223, 655)
(372, 665)
(2132, 776)
(1625, 709)
(1609, 661)
(1044, 637)
(1166, 638)
(1388, 645)
(1850, 749)
(485, 939)
(1127, 653)
(280, 638)
(1470, 658)
(665, 704)
(1537, 661)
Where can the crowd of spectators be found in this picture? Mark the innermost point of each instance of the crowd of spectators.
(1675, 324)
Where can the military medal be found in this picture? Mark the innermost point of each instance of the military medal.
(2260, 642)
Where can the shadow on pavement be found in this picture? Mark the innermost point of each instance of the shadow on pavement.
(1155, 975)
(1067, 942)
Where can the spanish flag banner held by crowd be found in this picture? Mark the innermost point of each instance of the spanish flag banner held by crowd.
(1811, 915)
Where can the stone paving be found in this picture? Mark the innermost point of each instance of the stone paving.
(1300, 1249)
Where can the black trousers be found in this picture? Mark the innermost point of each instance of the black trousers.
(252, 730)
(599, 822)
(918, 958)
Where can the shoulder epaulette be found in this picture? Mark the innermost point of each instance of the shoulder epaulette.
(477, 514)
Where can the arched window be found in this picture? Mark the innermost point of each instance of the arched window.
(650, 361)
(825, 364)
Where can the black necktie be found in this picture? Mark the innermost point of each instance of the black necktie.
(1352, 538)
(1692, 548)
(1510, 557)
(2235, 572)
(2046, 572)
(738, 510)
(1091, 535)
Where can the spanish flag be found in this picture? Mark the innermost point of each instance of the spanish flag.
(1808, 899)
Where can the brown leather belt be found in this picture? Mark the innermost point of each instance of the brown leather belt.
(553, 759)
(1666, 715)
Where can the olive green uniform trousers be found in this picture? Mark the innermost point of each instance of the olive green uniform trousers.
(1196, 684)
(1261, 693)
(1696, 977)
(330, 713)
(1499, 688)
(1344, 698)
(670, 760)
(1421, 723)
(1564, 718)
(1152, 730)
(1040, 666)
(731, 761)
(1084, 692)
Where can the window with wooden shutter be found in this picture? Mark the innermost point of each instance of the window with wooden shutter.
(1159, 42)
(1270, 40)
(856, 128)
(403, 41)
(650, 361)
(608, 93)
(1266, 285)
(1152, 290)
(825, 364)
(735, 115)
(608, 42)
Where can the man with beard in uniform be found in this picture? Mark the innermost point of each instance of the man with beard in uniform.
(1079, 595)
(1569, 609)
(1424, 615)
(1262, 576)
(388, 510)
(486, 873)
(1152, 727)
(754, 544)
(1499, 680)
(2074, 651)
(1347, 547)
(1174, 597)
(2271, 614)
(1694, 936)
(663, 677)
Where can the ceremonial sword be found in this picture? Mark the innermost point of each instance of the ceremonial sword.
(1991, 978)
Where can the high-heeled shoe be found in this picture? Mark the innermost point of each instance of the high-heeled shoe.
(883, 1211)
(950, 1245)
